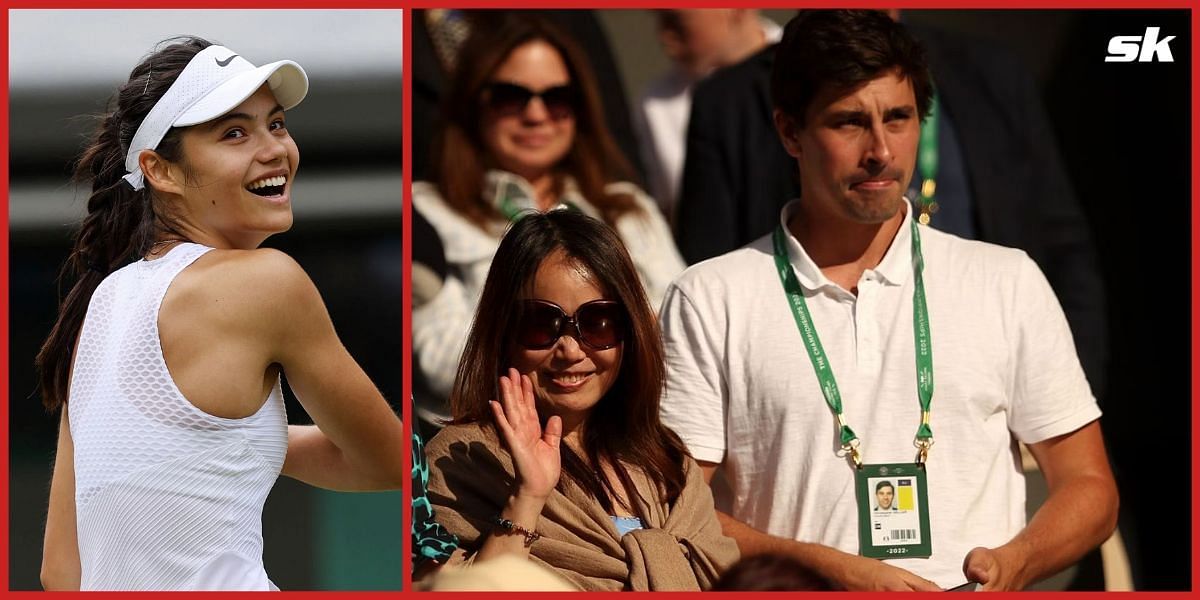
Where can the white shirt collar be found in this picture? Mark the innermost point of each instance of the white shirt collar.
(893, 269)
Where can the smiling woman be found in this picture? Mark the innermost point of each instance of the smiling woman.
(557, 451)
(167, 353)
(228, 162)
(522, 132)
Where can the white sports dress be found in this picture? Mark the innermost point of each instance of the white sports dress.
(167, 497)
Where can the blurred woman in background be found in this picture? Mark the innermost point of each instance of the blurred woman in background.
(523, 132)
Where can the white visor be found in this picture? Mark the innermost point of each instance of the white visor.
(214, 82)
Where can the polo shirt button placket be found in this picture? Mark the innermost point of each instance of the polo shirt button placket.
(871, 293)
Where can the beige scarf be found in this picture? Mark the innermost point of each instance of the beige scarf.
(681, 548)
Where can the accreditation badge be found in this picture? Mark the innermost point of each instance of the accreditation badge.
(893, 511)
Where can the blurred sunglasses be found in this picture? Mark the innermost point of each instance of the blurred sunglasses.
(512, 99)
(599, 324)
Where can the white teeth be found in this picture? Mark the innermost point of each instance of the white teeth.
(276, 181)
(572, 377)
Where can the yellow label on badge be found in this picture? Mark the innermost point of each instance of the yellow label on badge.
(904, 497)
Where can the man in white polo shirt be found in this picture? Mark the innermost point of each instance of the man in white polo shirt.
(830, 356)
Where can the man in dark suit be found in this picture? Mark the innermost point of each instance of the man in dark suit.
(1001, 179)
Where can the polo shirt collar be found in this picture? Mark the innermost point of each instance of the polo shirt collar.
(894, 269)
(896, 266)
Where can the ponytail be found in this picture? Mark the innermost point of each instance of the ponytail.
(121, 223)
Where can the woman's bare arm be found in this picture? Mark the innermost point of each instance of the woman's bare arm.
(357, 442)
(60, 549)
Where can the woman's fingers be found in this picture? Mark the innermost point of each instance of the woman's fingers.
(553, 434)
(510, 390)
(517, 412)
(516, 400)
(512, 403)
(508, 412)
(501, 422)
(527, 394)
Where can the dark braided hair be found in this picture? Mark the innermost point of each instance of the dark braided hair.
(121, 223)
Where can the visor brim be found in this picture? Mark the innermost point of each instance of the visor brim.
(286, 79)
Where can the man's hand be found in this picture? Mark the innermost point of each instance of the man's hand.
(995, 569)
(1078, 514)
(868, 574)
(838, 569)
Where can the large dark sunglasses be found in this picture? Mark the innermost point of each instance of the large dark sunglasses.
(511, 99)
(599, 324)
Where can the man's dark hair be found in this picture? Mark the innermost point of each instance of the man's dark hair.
(845, 49)
(883, 484)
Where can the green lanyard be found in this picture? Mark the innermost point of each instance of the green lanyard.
(513, 210)
(927, 163)
(514, 214)
(510, 211)
(820, 362)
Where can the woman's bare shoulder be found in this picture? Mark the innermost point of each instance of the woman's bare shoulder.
(265, 264)
(245, 285)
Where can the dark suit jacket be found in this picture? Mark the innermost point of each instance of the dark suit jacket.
(737, 176)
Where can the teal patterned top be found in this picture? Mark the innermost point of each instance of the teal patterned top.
(430, 541)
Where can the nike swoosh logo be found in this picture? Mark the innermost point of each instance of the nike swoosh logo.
(223, 63)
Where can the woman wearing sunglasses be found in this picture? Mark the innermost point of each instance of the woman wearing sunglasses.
(556, 449)
(167, 353)
(522, 132)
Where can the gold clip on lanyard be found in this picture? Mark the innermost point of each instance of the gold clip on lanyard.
(923, 444)
(927, 164)
(820, 361)
(850, 447)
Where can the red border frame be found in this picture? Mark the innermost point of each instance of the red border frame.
(1195, 296)
(4, 306)
(796, 4)
(407, 162)
(406, 234)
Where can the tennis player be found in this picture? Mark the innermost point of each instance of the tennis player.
(166, 357)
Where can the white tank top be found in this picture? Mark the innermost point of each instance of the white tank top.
(167, 496)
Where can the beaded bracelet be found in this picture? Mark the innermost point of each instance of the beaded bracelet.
(510, 527)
